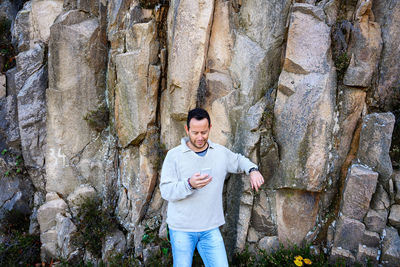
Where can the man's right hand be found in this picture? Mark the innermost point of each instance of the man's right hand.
(199, 181)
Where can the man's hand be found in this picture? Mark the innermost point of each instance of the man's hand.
(199, 181)
(256, 180)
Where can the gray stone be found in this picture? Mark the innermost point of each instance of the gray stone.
(79, 196)
(391, 247)
(367, 255)
(358, 189)
(114, 243)
(22, 27)
(70, 99)
(15, 195)
(47, 214)
(149, 253)
(38, 200)
(387, 13)
(137, 85)
(396, 182)
(11, 86)
(380, 200)
(269, 244)
(28, 62)
(375, 140)
(263, 219)
(49, 249)
(305, 102)
(3, 91)
(370, 239)
(32, 118)
(364, 48)
(349, 233)
(394, 216)
(375, 221)
(339, 254)
(43, 15)
(9, 130)
(65, 229)
(296, 214)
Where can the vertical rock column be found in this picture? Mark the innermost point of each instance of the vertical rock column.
(189, 23)
(304, 119)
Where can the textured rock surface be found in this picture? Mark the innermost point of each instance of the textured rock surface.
(307, 83)
(84, 56)
(394, 216)
(359, 187)
(349, 234)
(269, 244)
(391, 247)
(375, 140)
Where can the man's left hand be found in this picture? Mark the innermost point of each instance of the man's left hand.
(256, 180)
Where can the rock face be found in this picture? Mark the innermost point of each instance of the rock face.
(84, 56)
(305, 89)
(307, 83)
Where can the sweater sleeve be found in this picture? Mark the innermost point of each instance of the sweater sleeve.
(238, 163)
(172, 189)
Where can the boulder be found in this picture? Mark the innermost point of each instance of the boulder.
(269, 244)
(15, 195)
(49, 249)
(79, 196)
(43, 15)
(364, 48)
(367, 255)
(375, 221)
(387, 14)
(394, 216)
(390, 247)
(9, 130)
(359, 186)
(137, 85)
(21, 29)
(47, 213)
(263, 219)
(339, 254)
(65, 229)
(305, 102)
(296, 215)
(370, 239)
(71, 99)
(349, 234)
(375, 140)
(114, 244)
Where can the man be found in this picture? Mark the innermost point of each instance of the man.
(192, 179)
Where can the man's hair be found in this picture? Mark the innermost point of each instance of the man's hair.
(198, 114)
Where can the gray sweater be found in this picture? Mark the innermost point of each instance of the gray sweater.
(196, 210)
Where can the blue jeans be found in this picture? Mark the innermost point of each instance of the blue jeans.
(209, 244)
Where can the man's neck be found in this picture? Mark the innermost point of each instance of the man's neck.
(195, 149)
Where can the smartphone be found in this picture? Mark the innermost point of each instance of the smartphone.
(205, 171)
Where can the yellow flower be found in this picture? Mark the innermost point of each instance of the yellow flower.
(298, 262)
(307, 261)
(299, 258)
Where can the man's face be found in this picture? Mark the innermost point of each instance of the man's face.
(198, 133)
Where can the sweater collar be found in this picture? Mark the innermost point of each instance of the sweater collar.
(185, 147)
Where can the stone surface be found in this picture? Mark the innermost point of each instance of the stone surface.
(269, 244)
(32, 118)
(43, 14)
(68, 134)
(221, 40)
(263, 217)
(189, 24)
(9, 130)
(394, 216)
(138, 179)
(20, 31)
(296, 214)
(306, 84)
(80, 194)
(387, 14)
(391, 247)
(15, 194)
(396, 182)
(65, 229)
(375, 140)
(349, 233)
(364, 48)
(114, 243)
(137, 85)
(47, 214)
(340, 254)
(49, 249)
(367, 255)
(3, 90)
(358, 189)
(370, 239)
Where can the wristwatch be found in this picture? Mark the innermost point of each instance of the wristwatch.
(253, 169)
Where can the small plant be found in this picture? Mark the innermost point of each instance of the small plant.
(4, 151)
(93, 224)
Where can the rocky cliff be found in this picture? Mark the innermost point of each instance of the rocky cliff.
(309, 90)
